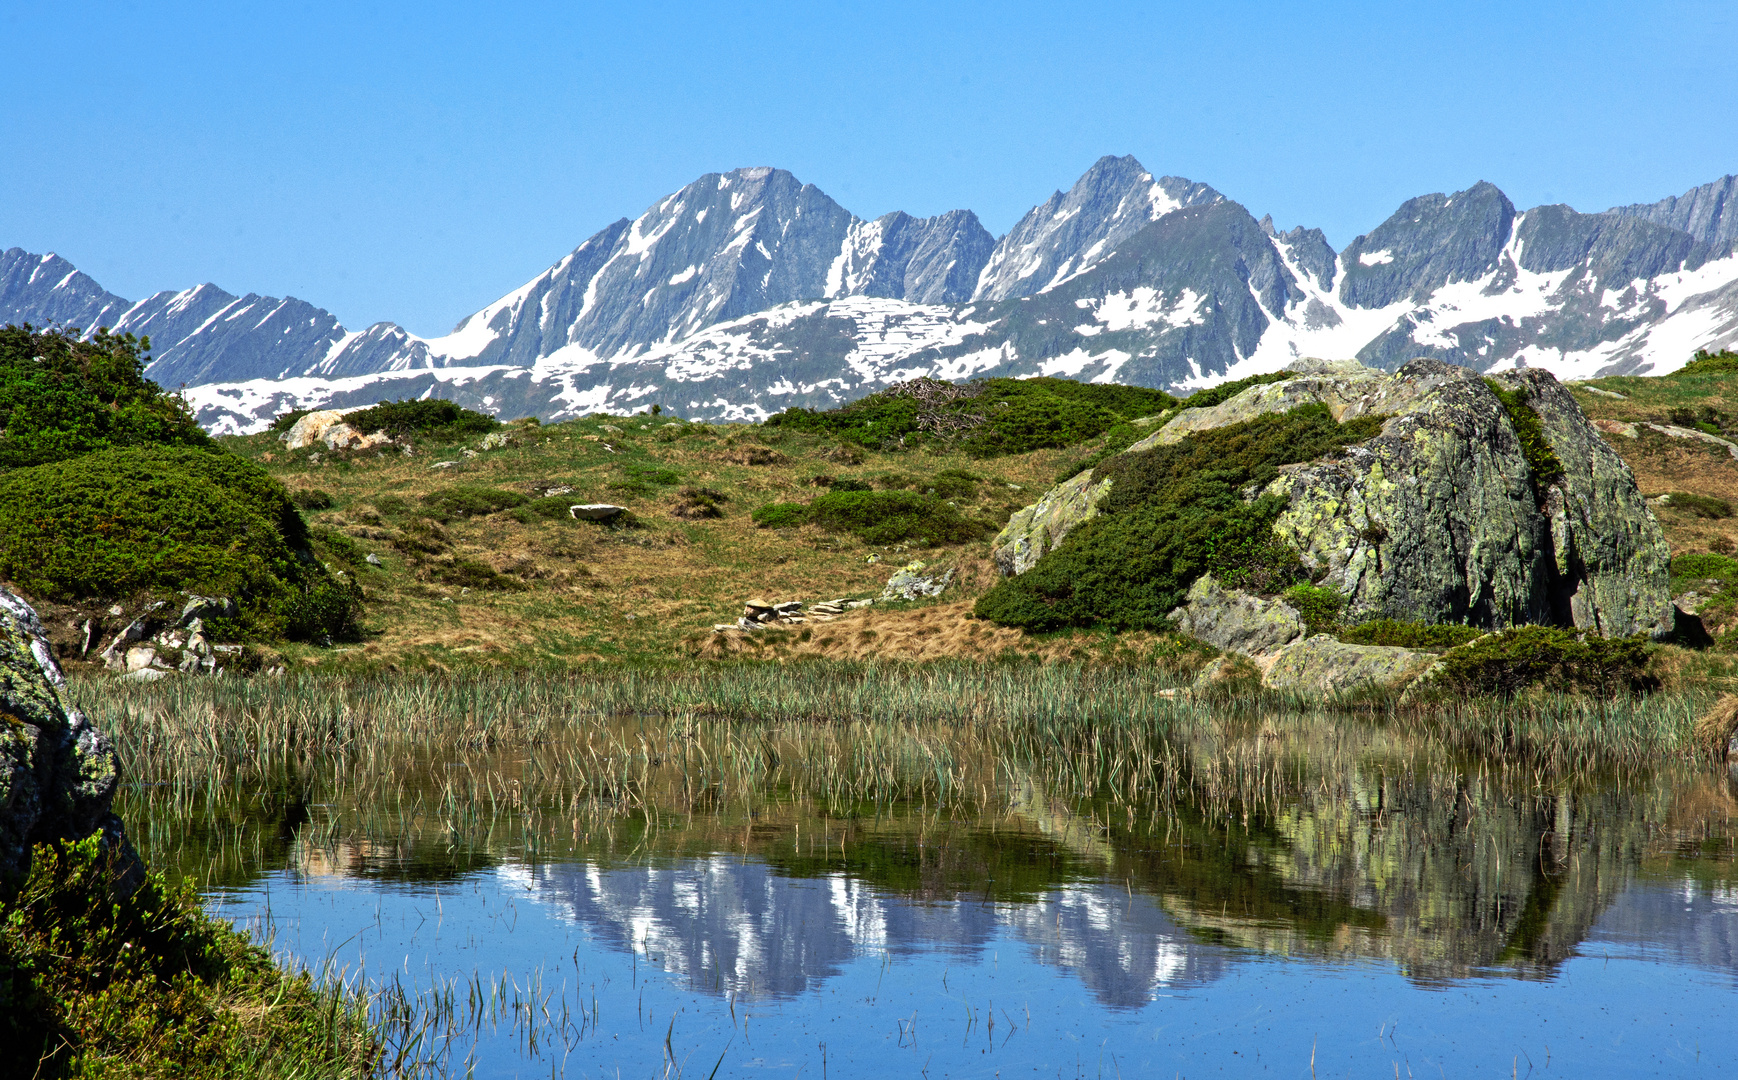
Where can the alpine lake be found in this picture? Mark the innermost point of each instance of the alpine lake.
(549, 877)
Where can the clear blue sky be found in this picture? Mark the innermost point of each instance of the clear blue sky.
(414, 161)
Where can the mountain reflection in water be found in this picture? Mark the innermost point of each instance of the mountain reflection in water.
(728, 925)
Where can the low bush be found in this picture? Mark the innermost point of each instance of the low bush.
(463, 501)
(946, 484)
(284, 421)
(1174, 513)
(1701, 506)
(1703, 566)
(120, 523)
(1225, 391)
(1711, 363)
(1320, 608)
(1546, 658)
(61, 397)
(894, 517)
(150, 985)
(784, 515)
(986, 418)
(312, 499)
(473, 574)
(433, 419)
(1037, 422)
(1410, 635)
(548, 508)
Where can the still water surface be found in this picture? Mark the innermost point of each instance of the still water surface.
(1331, 903)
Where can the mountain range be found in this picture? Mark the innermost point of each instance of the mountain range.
(749, 291)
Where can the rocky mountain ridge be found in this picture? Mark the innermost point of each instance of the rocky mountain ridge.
(747, 292)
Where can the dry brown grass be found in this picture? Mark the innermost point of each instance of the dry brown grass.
(1715, 727)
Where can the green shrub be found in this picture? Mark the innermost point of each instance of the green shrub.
(848, 484)
(1711, 363)
(312, 499)
(119, 523)
(466, 502)
(1174, 513)
(150, 985)
(987, 417)
(1320, 608)
(1543, 466)
(1410, 635)
(784, 515)
(893, 517)
(1037, 422)
(1225, 391)
(393, 506)
(1546, 658)
(552, 507)
(946, 484)
(1705, 565)
(472, 574)
(61, 397)
(1700, 505)
(435, 419)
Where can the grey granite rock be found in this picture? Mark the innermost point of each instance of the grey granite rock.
(1237, 621)
(1322, 665)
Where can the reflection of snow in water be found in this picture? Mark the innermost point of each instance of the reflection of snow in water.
(731, 925)
(1681, 922)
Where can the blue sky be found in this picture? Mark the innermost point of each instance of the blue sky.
(414, 161)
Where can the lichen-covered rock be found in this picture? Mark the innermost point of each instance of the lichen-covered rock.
(910, 582)
(1040, 527)
(1237, 621)
(1439, 518)
(57, 773)
(1436, 519)
(1322, 665)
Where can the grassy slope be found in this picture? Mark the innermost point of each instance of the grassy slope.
(652, 592)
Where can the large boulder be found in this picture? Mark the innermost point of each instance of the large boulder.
(57, 773)
(1236, 621)
(1322, 665)
(311, 428)
(1437, 519)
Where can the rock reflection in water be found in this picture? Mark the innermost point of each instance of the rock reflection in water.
(735, 926)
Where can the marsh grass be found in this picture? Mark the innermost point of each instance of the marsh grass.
(930, 779)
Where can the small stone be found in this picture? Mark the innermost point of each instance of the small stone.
(140, 657)
(371, 559)
(443, 464)
(594, 511)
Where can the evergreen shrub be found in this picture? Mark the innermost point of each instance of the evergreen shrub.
(435, 419)
(1547, 658)
(61, 397)
(120, 523)
(463, 501)
(1711, 363)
